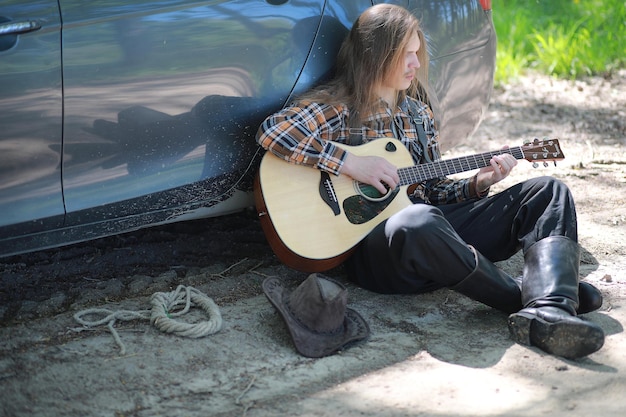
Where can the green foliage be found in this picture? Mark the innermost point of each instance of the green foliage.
(564, 38)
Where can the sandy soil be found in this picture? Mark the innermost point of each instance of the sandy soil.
(438, 354)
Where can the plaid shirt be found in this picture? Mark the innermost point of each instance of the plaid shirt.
(304, 132)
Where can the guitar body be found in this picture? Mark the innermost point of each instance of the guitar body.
(305, 231)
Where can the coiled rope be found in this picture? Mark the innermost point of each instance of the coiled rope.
(161, 315)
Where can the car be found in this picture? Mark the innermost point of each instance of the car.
(121, 115)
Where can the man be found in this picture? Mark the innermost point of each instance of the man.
(453, 233)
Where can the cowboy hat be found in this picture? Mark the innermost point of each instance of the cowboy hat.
(316, 315)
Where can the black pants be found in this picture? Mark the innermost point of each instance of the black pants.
(425, 247)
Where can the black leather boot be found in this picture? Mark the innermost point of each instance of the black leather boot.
(490, 285)
(550, 298)
(589, 297)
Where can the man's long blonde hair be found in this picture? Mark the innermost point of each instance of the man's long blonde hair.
(373, 48)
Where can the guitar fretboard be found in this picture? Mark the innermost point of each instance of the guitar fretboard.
(422, 172)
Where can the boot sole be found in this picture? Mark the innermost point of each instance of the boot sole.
(571, 339)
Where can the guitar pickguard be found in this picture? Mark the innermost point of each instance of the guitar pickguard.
(359, 209)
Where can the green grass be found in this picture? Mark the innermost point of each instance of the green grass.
(563, 38)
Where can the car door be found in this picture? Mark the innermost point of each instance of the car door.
(31, 109)
(163, 98)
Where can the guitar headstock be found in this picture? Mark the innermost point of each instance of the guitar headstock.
(542, 150)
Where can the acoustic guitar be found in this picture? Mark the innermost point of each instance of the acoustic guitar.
(313, 220)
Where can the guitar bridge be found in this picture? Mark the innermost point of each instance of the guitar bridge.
(327, 192)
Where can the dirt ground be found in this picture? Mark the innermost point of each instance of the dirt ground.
(438, 354)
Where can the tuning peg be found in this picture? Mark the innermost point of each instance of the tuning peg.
(554, 163)
(545, 164)
(535, 165)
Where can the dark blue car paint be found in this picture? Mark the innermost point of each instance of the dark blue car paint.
(151, 116)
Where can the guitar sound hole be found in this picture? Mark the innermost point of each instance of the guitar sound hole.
(369, 192)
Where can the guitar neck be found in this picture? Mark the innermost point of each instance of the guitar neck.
(422, 172)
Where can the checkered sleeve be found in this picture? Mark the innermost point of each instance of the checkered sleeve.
(439, 190)
(446, 191)
(303, 133)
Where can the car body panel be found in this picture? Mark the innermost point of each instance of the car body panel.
(31, 115)
(162, 100)
(462, 50)
(462, 44)
(157, 104)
